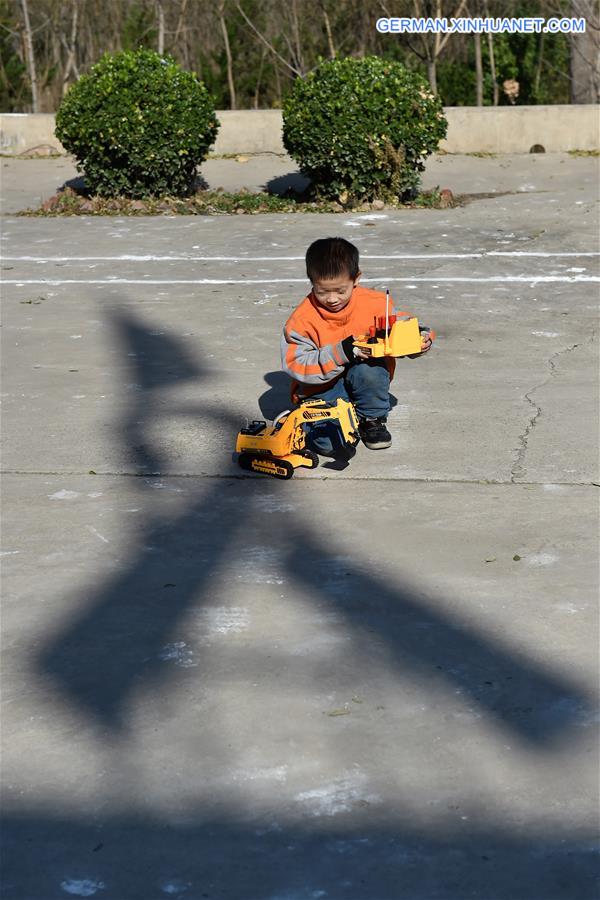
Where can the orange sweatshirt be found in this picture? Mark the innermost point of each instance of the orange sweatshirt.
(314, 349)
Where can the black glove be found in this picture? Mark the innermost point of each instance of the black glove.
(348, 348)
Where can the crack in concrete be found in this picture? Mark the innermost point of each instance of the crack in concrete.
(518, 469)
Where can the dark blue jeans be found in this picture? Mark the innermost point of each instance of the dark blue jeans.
(367, 385)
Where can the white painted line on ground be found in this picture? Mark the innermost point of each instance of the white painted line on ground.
(150, 258)
(540, 253)
(505, 279)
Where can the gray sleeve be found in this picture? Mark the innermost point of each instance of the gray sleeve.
(304, 361)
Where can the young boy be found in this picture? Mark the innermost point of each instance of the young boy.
(317, 351)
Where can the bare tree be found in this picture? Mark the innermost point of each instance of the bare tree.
(70, 65)
(180, 30)
(297, 44)
(257, 86)
(230, 81)
(476, 10)
(495, 87)
(490, 41)
(30, 58)
(478, 71)
(331, 45)
(585, 54)
(160, 15)
(538, 67)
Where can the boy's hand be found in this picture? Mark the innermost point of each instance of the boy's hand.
(362, 352)
(426, 341)
(353, 353)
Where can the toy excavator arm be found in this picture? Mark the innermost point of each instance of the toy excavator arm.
(313, 411)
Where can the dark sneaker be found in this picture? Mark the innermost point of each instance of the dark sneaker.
(374, 434)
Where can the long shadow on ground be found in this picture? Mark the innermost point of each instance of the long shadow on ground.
(112, 643)
(111, 647)
(140, 858)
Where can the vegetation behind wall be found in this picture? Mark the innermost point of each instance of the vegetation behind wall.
(249, 52)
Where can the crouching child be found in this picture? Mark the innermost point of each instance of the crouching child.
(317, 346)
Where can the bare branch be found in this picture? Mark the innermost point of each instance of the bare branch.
(14, 34)
(179, 25)
(265, 41)
(446, 37)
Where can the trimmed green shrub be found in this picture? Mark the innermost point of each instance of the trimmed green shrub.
(138, 125)
(362, 128)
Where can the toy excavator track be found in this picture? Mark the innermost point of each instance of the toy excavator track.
(266, 465)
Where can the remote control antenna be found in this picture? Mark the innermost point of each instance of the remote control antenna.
(387, 319)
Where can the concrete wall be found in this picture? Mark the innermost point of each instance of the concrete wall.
(20, 132)
(515, 129)
(471, 129)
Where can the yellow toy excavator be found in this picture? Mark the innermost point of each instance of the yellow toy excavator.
(280, 448)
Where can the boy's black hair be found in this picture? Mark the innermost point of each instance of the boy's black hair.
(330, 258)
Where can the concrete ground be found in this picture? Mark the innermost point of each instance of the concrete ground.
(375, 683)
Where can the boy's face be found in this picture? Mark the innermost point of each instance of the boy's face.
(334, 294)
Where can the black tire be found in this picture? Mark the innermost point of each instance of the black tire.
(287, 466)
(308, 454)
(245, 461)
